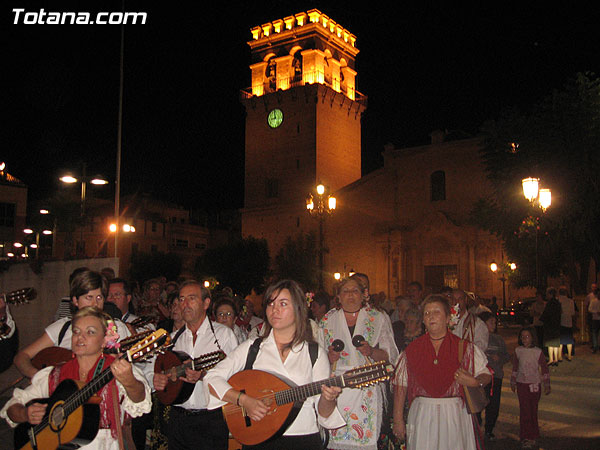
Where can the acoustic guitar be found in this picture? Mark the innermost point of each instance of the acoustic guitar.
(73, 414)
(170, 363)
(284, 399)
(53, 356)
(18, 297)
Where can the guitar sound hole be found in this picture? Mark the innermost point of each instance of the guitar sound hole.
(57, 417)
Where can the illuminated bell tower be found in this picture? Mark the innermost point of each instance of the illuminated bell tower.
(302, 121)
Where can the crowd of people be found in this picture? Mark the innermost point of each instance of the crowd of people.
(440, 346)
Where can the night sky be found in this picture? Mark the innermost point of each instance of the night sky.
(422, 67)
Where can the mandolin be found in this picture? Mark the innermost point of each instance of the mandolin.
(285, 399)
(170, 363)
(73, 414)
(53, 356)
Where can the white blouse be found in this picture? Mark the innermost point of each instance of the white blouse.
(296, 368)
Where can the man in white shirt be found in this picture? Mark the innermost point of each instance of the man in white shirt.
(469, 326)
(197, 423)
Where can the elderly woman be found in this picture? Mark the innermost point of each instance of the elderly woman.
(361, 408)
(413, 328)
(226, 312)
(88, 341)
(431, 375)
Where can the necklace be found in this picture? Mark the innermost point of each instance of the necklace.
(353, 313)
(435, 361)
(437, 339)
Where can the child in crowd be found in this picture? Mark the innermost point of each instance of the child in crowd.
(497, 356)
(528, 361)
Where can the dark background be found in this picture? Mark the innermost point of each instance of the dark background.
(422, 67)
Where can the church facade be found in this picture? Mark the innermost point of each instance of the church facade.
(406, 221)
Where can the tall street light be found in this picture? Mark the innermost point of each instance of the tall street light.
(69, 178)
(504, 268)
(36, 245)
(541, 198)
(97, 180)
(320, 206)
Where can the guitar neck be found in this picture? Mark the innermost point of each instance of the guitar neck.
(200, 363)
(88, 391)
(301, 393)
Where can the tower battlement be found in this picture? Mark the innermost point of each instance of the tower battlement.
(306, 48)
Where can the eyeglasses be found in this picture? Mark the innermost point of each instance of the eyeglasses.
(116, 295)
(224, 314)
(91, 298)
(351, 291)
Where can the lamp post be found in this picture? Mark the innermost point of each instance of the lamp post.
(504, 269)
(541, 198)
(98, 180)
(36, 244)
(320, 206)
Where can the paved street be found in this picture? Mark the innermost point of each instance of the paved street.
(569, 416)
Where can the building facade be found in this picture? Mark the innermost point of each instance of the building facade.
(409, 220)
(13, 213)
(153, 226)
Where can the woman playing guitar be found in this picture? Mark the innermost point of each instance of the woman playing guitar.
(88, 341)
(88, 288)
(284, 351)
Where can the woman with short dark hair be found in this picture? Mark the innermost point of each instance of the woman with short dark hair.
(431, 375)
(226, 312)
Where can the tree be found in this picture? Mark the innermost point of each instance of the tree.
(145, 266)
(558, 141)
(297, 260)
(242, 265)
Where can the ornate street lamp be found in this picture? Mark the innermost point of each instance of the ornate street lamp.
(541, 197)
(503, 269)
(530, 188)
(320, 206)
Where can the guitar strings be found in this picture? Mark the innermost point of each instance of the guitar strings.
(78, 397)
(361, 378)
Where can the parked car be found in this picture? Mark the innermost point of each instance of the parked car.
(517, 313)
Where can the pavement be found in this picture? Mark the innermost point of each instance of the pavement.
(569, 417)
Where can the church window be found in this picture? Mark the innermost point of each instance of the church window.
(7, 214)
(438, 186)
(272, 188)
